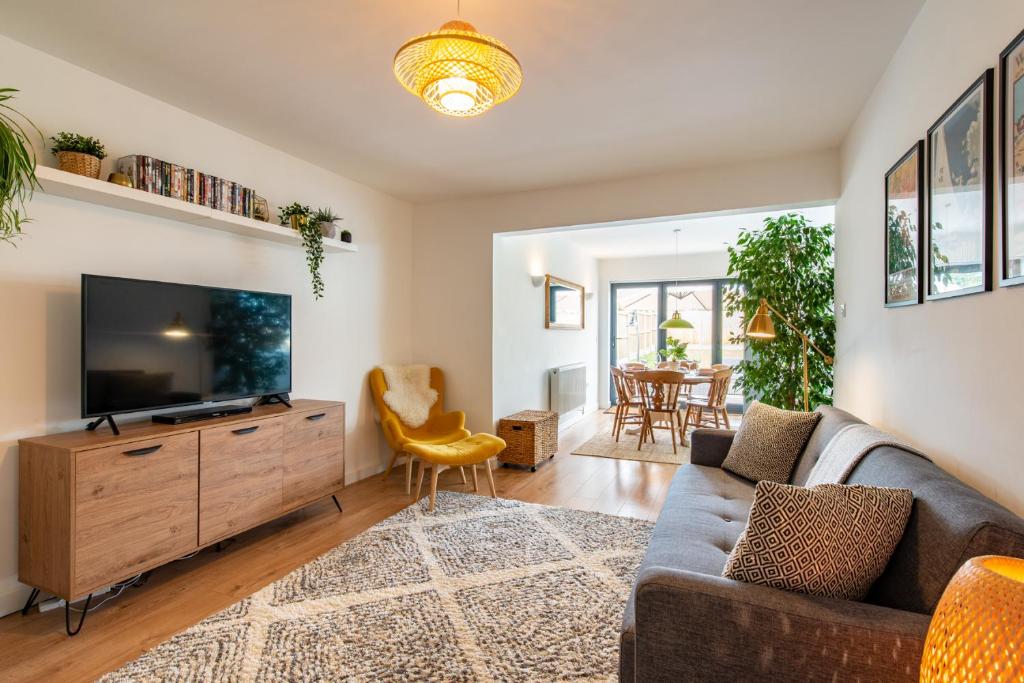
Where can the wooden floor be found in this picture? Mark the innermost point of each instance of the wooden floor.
(182, 593)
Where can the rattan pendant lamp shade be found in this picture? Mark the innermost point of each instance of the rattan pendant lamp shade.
(458, 71)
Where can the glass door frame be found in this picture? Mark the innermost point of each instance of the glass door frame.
(717, 285)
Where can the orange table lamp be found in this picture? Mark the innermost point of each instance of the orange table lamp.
(977, 632)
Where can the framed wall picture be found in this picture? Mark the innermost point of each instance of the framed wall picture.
(904, 241)
(959, 247)
(1011, 144)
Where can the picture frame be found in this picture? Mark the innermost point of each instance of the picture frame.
(1011, 162)
(959, 207)
(564, 304)
(903, 234)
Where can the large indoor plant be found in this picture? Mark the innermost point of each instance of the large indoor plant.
(788, 262)
(79, 154)
(302, 220)
(17, 167)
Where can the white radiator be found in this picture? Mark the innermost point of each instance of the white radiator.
(567, 388)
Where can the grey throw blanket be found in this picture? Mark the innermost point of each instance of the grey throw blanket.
(847, 448)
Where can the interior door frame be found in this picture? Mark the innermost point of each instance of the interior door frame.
(718, 286)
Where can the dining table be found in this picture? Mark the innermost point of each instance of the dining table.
(689, 379)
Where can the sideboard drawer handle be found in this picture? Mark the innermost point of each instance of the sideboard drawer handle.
(144, 451)
(318, 416)
(245, 430)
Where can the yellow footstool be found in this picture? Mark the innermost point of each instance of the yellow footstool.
(473, 450)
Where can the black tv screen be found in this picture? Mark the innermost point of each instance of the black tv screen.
(148, 345)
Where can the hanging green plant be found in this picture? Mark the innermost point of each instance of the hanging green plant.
(790, 263)
(301, 219)
(17, 168)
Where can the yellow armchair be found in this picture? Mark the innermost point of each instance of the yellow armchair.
(440, 427)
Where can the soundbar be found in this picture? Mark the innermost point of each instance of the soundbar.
(200, 414)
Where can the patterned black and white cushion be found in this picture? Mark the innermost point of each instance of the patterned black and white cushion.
(768, 442)
(830, 540)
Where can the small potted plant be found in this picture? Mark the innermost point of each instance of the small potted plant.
(78, 154)
(675, 353)
(324, 218)
(303, 220)
(346, 236)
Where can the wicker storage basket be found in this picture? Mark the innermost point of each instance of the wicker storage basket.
(531, 435)
(79, 163)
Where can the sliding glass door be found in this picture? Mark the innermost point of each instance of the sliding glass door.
(638, 308)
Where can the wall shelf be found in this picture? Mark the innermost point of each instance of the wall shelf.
(63, 184)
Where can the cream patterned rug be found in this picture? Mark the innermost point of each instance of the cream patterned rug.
(604, 445)
(480, 590)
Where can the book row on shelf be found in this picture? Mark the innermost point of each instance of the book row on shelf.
(188, 185)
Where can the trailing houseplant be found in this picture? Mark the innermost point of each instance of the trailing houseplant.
(789, 262)
(78, 154)
(17, 167)
(302, 219)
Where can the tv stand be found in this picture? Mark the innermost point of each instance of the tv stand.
(106, 418)
(97, 509)
(271, 399)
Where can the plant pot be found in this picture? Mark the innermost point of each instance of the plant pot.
(297, 221)
(328, 230)
(79, 163)
(346, 236)
(671, 365)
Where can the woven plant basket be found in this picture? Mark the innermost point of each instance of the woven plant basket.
(531, 437)
(79, 163)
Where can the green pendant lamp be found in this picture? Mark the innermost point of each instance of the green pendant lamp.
(676, 322)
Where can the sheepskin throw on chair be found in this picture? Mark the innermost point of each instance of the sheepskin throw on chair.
(409, 393)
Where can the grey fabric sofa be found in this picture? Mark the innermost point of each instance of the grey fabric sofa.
(684, 622)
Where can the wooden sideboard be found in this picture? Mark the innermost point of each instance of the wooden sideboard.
(95, 508)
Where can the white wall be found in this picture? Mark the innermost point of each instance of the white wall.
(524, 350)
(453, 243)
(653, 268)
(362, 321)
(947, 374)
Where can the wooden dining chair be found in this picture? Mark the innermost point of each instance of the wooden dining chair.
(626, 401)
(659, 398)
(710, 411)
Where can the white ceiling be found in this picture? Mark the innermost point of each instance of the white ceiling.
(612, 88)
(696, 235)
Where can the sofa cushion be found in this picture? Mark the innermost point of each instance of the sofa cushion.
(830, 540)
(949, 524)
(768, 443)
(704, 513)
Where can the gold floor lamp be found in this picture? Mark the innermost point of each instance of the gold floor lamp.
(761, 327)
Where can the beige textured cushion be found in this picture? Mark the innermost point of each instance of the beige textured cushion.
(831, 540)
(768, 442)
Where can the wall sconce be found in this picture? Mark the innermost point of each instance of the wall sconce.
(538, 280)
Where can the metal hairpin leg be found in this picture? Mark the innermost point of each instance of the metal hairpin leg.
(67, 616)
(336, 502)
(31, 599)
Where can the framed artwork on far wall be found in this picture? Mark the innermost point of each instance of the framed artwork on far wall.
(1011, 145)
(959, 247)
(904, 241)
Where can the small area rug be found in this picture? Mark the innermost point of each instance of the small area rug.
(481, 589)
(604, 446)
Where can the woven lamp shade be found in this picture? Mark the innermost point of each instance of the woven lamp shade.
(977, 632)
(457, 70)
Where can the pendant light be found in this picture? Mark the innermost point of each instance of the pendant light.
(676, 322)
(457, 70)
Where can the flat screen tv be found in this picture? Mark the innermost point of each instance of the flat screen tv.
(149, 345)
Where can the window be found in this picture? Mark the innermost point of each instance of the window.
(638, 308)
